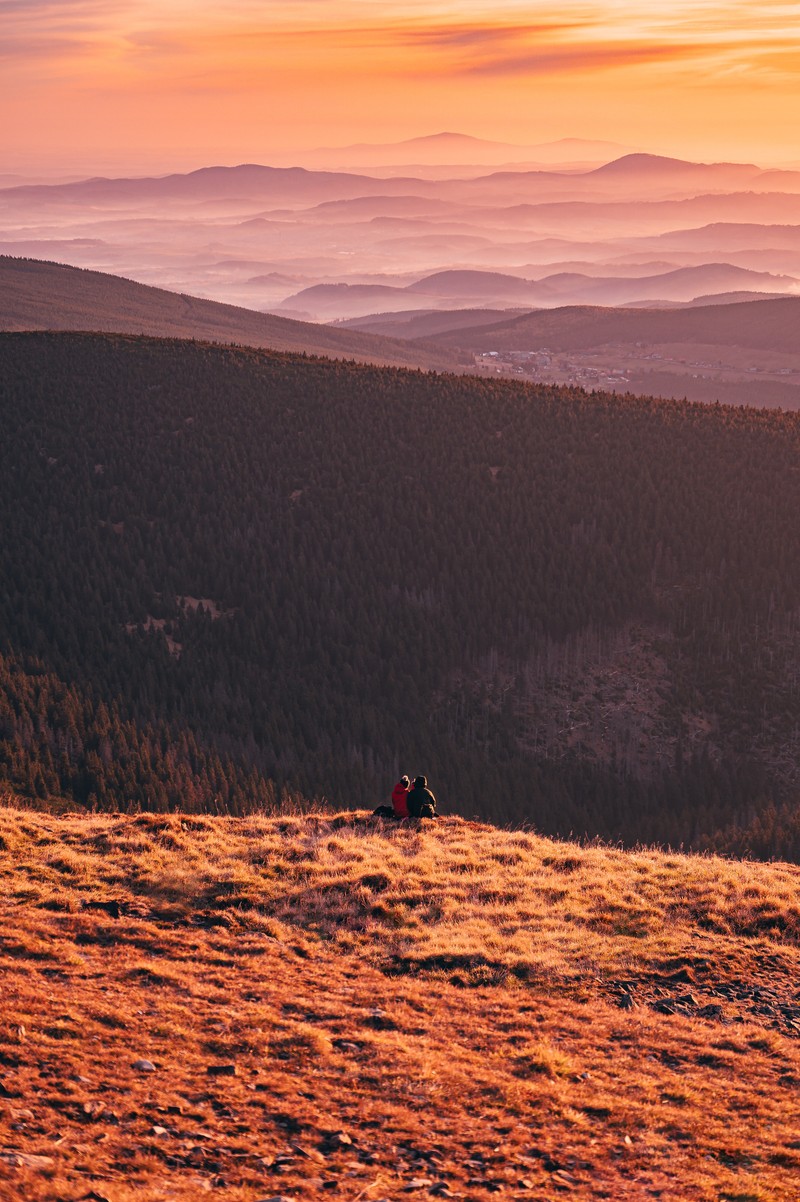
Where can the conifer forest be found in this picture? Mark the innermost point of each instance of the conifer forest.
(231, 580)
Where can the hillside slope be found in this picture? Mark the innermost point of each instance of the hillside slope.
(769, 325)
(230, 573)
(35, 295)
(301, 1007)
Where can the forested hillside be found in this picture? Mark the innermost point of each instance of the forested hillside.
(228, 575)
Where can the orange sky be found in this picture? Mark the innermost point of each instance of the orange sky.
(154, 84)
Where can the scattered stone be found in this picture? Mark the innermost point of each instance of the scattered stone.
(525, 1183)
(625, 1002)
(23, 1160)
(5, 1092)
(221, 1070)
(93, 1110)
(340, 1139)
(21, 1115)
(157, 1130)
(144, 1066)
(417, 1183)
(308, 1153)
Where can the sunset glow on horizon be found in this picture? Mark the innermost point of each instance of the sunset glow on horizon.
(92, 83)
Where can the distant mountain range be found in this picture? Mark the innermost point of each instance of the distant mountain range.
(252, 180)
(486, 289)
(456, 149)
(323, 244)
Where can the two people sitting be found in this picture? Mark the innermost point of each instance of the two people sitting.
(415, 801)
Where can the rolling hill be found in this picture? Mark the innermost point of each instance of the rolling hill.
(769, 325)
(36, 295)
(248, 180)
(487, 289)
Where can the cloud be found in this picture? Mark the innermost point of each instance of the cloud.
(478, 36)
(179, 40)
(41, 29)
(567, 59)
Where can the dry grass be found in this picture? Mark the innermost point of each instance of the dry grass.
(478, 1012)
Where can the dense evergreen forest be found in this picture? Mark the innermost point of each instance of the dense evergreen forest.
(230, 578)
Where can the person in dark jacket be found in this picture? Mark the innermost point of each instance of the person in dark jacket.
(421, 802)
(400, 797)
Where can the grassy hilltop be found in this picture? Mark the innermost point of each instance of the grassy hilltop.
(333, 1007)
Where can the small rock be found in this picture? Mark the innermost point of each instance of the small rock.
(309, 1153)
(160, 1130)
(23, 1160)
(144, 1066)
(625, 1002)
(22, 1115)
(563, 1179)
(221, 1070)
(93, 1110)
(339, 1140)
(417, 1183)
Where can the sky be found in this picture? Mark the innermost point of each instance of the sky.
(140, 85)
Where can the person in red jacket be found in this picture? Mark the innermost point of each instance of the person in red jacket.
(400, 797)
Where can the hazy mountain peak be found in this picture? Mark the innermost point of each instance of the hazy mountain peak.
(640, 162)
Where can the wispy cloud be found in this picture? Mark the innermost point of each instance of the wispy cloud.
(470, 37)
